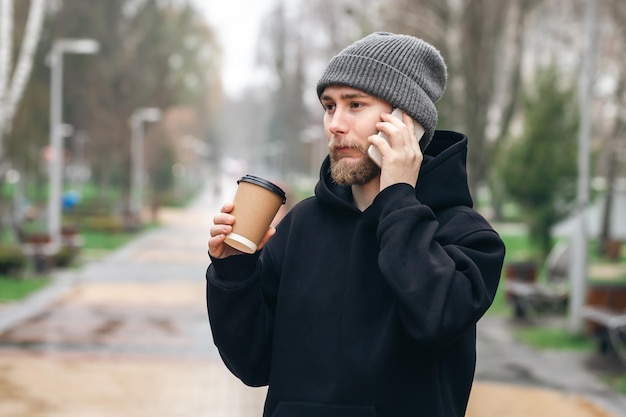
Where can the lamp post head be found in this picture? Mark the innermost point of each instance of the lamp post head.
(77, 46)
(151, 114)
(145, 114)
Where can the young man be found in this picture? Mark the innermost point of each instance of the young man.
(364, 299)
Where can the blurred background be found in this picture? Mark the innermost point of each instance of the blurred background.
(112, 110)
(170, 93)
(173, 92)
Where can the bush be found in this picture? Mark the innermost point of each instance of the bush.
(65, 256)
(109, 224)
(12, 259)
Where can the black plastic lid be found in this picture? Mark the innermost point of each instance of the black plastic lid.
(265, 184)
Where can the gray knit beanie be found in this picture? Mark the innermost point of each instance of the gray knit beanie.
(403, 70)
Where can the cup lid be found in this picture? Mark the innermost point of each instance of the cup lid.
(265, 184)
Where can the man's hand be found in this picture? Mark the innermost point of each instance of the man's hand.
(402, 156)
(222, 226)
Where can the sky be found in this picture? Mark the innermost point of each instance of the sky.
(237, 23)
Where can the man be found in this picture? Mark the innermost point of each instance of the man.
(364, 299)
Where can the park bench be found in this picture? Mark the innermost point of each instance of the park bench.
(605, 315)
(44, 253)
(530, 297)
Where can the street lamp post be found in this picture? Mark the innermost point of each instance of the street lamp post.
(578, 270)
(139, 116)
(55, 163)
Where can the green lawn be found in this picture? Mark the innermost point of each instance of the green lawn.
(13, 289)
(95, 245)
(105, 241)
(553, 338)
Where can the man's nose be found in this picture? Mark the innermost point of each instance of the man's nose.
(338, 124)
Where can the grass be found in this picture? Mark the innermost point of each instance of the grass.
(553, 338)
(95, 245)
(618, 382)
(499, 306)
(518, 248)
(105, 240)
(13, 289)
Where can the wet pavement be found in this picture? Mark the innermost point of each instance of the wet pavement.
(514, 379)
(128, 336)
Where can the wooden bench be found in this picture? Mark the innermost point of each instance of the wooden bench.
(605, 315)
(530, 297)
(46, 254)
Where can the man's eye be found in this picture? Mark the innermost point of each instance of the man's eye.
(356, 105)
(329, 107)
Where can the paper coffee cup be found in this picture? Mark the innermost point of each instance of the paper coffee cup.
(256, 203)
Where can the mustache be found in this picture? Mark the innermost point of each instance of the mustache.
(341, 143)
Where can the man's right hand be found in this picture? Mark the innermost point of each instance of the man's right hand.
(222, 226)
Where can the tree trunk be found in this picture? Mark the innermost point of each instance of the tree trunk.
(6, 45)
(12, 88)
(607, 210)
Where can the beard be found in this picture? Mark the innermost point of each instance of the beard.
(344, 172)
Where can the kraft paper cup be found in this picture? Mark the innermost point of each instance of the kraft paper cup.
(256, 203)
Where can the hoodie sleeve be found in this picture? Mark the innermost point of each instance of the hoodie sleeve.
(240, 316)
(443, 271)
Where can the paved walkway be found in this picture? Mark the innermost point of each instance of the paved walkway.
(517, 380)
(128, 336)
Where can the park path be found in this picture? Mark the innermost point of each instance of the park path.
(126, 336)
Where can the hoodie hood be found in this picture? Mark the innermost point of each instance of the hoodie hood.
(442, 181)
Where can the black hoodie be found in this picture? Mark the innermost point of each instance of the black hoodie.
(347, 313)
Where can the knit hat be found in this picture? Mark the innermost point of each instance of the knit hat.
(403, 70)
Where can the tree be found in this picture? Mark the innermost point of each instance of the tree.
(284, 55)
(12, 86)
(152, 54)
(538, 169)
(616, 137)
(483, 44)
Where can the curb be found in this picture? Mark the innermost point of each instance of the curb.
(37, 302)
(61, 282)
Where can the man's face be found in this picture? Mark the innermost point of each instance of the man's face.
(350, 117)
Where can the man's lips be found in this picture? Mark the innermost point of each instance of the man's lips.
(344, 149)
(348, 152)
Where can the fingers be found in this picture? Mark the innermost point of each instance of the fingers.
(216, 246)
(222, 226)
(402, 156)
(391, 126)
(400, 132)
(220, 229)
(416, 131)
(223, 222)
(224, 217)
(400, 135)
(227, 208)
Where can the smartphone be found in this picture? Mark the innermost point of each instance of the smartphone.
(373, 151)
